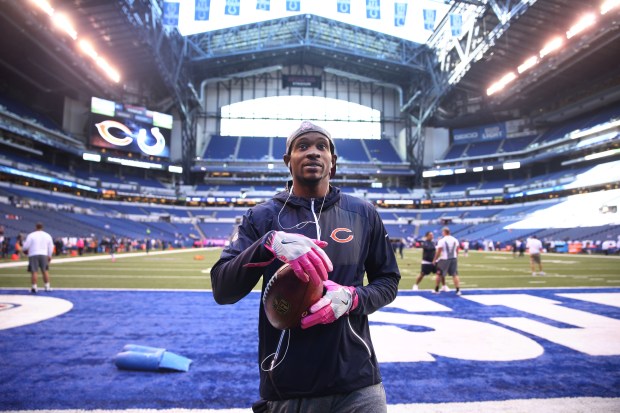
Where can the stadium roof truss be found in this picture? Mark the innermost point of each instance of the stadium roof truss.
(503, 35)
(322, 42)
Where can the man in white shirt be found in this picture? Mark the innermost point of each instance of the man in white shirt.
(40, 247)
(445, 259)
(535, 248)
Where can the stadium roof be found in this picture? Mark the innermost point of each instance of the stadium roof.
(157, 64)
(409, 24)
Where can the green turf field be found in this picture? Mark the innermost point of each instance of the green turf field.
(181, 269)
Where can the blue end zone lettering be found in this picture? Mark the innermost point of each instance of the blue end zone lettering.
(486, 345)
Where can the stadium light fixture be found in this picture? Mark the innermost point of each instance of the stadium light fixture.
(429, 174)
(398, 201)
(45, 6)
(599, 128)
(500, 84)
(62, 22)
(553, 45)
(87, 47)
(604, 154)
(460, 171)
(93, 157)
(137, 164)
(528, 64)
(109, 70)
(175, 169)
(478, 169)
(446, 172)
(511, 165)
(609, 5)
(583, 23)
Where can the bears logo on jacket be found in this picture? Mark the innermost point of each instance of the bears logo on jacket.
(338, 238)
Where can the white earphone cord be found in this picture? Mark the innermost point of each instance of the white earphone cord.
(304, 223)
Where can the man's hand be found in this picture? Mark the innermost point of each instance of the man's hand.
(337, 301)
(304, 255)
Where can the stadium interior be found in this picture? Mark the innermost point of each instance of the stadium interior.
(507, 127)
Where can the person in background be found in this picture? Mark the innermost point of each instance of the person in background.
(80, 246)
(515, 247)
(113, 247)
(19, 242)
(39, 246)
(328, 237)
(59, 245)
(535, 248)
(465, 248)
(428, 254)
(446, 260)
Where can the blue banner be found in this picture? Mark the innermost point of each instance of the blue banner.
(171, 14)
(400, 13)
(373, 9)
(293, 5)
(485, 132)
(344, 6)
(201, 10)
(263, 5)
(456, 23)
(494, 131)
(429, 18)
(232, 7)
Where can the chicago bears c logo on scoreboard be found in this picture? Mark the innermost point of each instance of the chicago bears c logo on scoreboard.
(141, 137)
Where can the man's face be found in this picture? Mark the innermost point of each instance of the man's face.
(310, 160)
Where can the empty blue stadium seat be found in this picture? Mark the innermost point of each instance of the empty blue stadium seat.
(483, 148)
(350, 150)
(455, 151)
(517, 144)
(382, 150)
(221, 147)
(278, 147)
(253, 148)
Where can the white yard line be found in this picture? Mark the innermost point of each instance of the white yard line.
(107, 256)
(557, 405)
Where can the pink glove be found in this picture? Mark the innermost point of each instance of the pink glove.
(337, 301)
(303, 254)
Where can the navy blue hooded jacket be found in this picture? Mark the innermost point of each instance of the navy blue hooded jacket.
(323, 359)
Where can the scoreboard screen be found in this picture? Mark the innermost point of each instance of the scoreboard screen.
(129, 128)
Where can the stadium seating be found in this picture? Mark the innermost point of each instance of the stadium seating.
(476, 149)
(221, 147)
(253, 148)
(382, 151)
(351, 150)
(455, 151)
(517, 144)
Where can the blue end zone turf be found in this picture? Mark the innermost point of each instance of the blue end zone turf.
(440, 349)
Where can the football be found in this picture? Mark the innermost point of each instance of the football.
(286, 298)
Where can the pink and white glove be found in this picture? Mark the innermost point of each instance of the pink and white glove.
(337, 301)
(304, 255)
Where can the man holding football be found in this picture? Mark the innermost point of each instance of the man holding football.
(328, 363)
